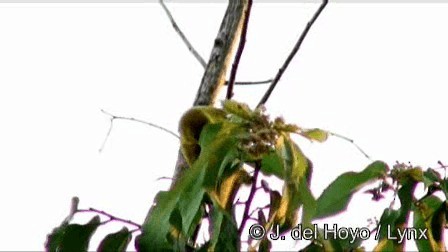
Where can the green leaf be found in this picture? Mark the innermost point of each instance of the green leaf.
(297, 170)
(218, 143)
(73, 237)
(116, 242)
(430, 176)
(338, 194)
(224, 235)
(387, 220)
(308, 201)
(394, 220)
(241, 110)
(55, 238)
(272, 164)
(315, 134)
(265, 245)
(294, 161)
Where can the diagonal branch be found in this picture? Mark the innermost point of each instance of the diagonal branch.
(182, 36)
(114, 117)
(292, 54)
(195, 52)
(240, 50)
(352, 142)
(215, 72)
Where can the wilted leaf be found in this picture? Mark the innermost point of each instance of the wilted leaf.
(338, 194)
(115, 242)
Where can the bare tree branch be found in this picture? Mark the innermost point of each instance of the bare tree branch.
(247, 83)
(113, 117)
(292, 54)
(182, 36)
(240, 50)
(352, 142)
(215, 72)
(195, 52)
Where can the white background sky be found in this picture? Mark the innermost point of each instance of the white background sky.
(372, 72)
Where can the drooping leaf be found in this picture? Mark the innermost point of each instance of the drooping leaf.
(396, 221)
(217, 143)
(338, 194)
(423, 216)
(295, 169)
(265, 245)
(308, 202)
(275, 198)
(190, 128)
(116, 242)
(294, 161)
(72, 237)
(224, 235)
(315, 134)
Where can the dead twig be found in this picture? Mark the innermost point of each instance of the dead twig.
(292, 54)
(182, 35)
(110, 216)
(351, 141)
(195, 52)
(114, 117)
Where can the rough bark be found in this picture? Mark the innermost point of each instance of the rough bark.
(214, 76)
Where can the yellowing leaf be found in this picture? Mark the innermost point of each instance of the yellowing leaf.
(315, 134)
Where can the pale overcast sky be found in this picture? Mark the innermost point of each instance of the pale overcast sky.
(373, 72)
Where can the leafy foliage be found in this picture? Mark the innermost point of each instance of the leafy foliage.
(228, 150)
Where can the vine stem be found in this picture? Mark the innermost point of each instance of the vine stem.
(253, 189)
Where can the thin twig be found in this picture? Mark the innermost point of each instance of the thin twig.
(292, 54)
(164, 178)
(352, 142)
(114, 117)
(253, 189)
(110, 216)
(195, 52)
(239, 51)
(259, 208)
(182, 36)
(248, 83)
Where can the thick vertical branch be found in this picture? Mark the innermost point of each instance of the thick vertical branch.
(215, 72)
(220, 57)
